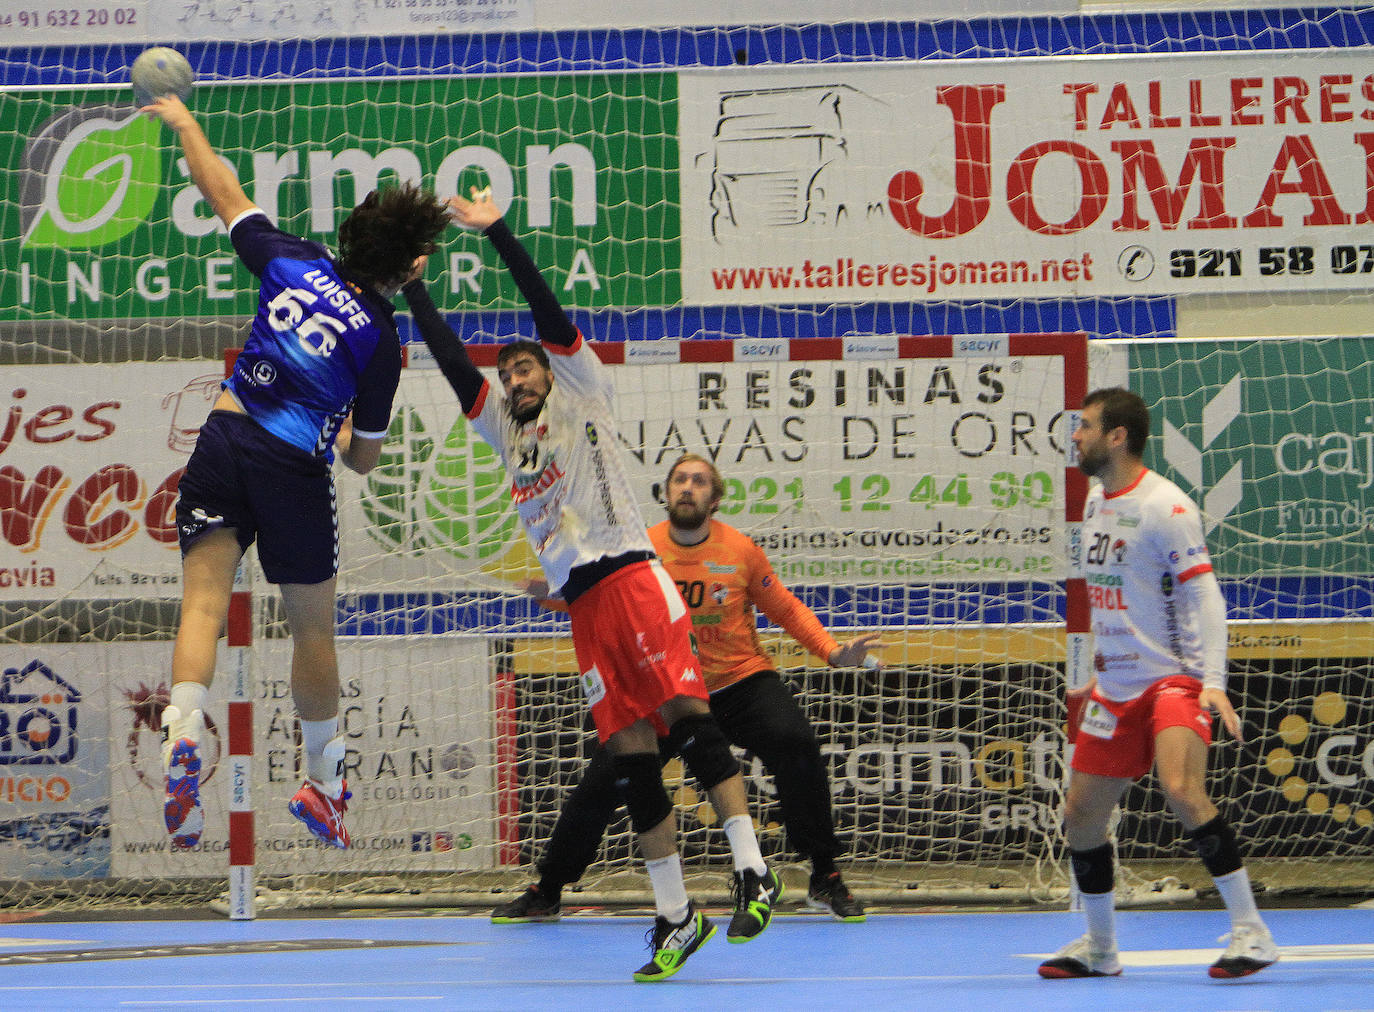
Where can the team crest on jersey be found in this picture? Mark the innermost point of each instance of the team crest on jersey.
(719, 593)
(1119, 550)
(264, 373)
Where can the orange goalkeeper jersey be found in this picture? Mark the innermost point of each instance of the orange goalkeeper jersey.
(723, 580)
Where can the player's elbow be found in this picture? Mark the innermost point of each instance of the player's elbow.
(362, 454)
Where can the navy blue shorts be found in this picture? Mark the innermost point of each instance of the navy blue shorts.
(242, 477)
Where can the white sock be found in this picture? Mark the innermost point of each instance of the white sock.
(324, 754)
(1239, 897)
(1099, 910)
(744, 845)
(670, 892)
(188, 697)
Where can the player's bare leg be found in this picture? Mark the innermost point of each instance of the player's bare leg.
(207, 580)
(323, 797)
(1181, 767)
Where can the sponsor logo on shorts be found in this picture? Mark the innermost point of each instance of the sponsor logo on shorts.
(1098, 721)
(593, 686)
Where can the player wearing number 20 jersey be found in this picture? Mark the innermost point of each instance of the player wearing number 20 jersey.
(1141, 546)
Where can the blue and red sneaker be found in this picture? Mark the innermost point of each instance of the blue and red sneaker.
(322, 815)
(181, 809)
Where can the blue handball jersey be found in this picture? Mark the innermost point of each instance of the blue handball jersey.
(320, 345)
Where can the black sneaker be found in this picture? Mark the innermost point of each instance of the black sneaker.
(530, 907)
(670, 944)
(755, 896)
(830, 893)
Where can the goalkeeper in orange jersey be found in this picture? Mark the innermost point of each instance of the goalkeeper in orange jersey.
(723, 577)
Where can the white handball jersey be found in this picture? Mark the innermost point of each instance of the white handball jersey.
(568, 479)
(1139, 547)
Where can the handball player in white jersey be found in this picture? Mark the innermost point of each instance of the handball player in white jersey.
(1159, 632)
(551, 420)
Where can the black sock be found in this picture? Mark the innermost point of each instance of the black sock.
(822, 868)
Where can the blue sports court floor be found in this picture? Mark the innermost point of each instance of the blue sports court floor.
(946, 961)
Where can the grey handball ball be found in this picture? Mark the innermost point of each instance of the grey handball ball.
(161, 71)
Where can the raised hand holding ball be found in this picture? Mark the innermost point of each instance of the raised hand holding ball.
(161, 71)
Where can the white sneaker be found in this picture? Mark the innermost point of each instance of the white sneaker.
(181, 809)
(1081, 959)
(1252, 948)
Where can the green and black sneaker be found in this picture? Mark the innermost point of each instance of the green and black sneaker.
(671, 944)
(755, 896)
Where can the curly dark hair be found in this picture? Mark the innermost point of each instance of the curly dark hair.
(384, 234)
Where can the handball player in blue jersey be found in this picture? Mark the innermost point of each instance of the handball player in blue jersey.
(316, 376)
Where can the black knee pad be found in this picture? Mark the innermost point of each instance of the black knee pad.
(1216, 845)
(1092, 869)
(704, 750)
(639, 777)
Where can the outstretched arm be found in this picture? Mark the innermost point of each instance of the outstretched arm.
(787, 610)
(447, 348)
(215, 179)
(482, 214)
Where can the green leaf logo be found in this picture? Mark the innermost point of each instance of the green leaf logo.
(467, 505)
(91, 177)
(451, 496)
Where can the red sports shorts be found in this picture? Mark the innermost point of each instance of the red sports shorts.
(1118, 739)
(632, 634)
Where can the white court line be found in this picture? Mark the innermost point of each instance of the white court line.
(240, 1002)
(29, 943)
(1200, 957)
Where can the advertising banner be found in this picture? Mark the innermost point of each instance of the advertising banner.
(955, 750)
(881, 470)
(1275, 440)
(103, 222)
(56, 754)
(421, 775)
(1041, 178)
(34, 22)
(90, 459)
(1059, 177)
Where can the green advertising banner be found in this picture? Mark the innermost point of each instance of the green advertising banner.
(1275, 440)
(100, 221)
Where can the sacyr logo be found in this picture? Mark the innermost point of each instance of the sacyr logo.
(90, 176)
(452, 495)
(1184, 457)
(1340, 760)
